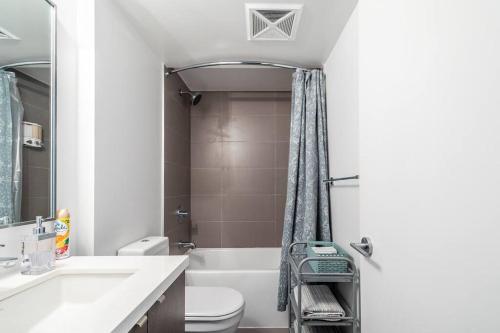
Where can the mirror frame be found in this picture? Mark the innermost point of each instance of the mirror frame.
(53, 120)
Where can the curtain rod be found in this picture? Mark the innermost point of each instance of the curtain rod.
(228, 63)
(26, 63)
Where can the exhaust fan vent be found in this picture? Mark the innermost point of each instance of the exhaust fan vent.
(272, 22)
(273, 15)
(5, 34)
(286, 25)
(259, 24)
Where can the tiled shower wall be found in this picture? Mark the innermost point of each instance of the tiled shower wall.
(177, 157)
(239, 160)
(35, 96)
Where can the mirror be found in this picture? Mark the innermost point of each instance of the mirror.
(27, 111)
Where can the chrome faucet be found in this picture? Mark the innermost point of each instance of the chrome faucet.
(186, 245)
(7, 262)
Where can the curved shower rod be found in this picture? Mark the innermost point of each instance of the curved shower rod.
(26, 63)
(229, 63)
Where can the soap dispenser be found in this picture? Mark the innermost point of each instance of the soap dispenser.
(38, 250)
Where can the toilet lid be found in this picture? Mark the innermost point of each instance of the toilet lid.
(212, 302)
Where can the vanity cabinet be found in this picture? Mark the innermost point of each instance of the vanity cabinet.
(139, 328)
(167, 314)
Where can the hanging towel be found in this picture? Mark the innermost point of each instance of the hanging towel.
(319, 301)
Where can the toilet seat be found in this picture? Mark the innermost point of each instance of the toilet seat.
(212, 303)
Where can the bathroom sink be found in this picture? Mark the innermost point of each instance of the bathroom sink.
(86, 294)
(59, 296)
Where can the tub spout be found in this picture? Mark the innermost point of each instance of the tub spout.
(186, 245)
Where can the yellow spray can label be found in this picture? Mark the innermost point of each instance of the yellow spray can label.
(61, 227)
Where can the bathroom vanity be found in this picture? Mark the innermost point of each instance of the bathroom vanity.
(167, 313)
(97, 294)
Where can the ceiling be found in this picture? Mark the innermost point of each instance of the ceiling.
(194, 31)
(187, 32)
(29, 20)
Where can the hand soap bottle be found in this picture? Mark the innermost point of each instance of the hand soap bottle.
(38, 250)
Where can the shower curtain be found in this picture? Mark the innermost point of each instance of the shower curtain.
(307, 211)
(11, 141)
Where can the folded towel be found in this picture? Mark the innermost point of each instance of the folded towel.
(318, 301)
(324, 250)
(316, 329)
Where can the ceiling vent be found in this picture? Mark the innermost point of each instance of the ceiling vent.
(5, 34)
(272, 21)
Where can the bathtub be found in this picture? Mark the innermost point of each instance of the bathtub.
(254, 272)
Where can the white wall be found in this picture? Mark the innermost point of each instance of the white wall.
(75, 119)
(128, 113)
(341, 70)
(109, 144)
(429, 120)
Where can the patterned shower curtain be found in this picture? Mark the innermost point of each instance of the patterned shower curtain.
(307, 211)
(11, 136)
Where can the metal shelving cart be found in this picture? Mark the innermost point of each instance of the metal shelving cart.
(299, 268)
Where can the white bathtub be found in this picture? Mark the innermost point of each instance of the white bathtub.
(254, 272)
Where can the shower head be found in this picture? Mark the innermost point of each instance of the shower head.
(195, 96)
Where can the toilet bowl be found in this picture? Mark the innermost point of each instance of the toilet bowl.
(213, 309)
(208, 309)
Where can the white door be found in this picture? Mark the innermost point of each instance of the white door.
(429, 140)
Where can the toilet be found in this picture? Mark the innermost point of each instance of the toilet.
(208, 309)
(213, 309)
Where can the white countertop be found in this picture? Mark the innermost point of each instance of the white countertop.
(117, 310)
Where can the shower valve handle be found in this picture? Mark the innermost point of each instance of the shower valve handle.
(181, 213)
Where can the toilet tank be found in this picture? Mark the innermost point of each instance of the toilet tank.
(149, 246)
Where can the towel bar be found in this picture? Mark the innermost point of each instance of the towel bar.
(331, 180)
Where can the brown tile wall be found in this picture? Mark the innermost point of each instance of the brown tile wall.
(35, 97)
(239, 160)
(177, 172)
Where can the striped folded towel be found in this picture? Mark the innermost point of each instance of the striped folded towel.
(318, 301)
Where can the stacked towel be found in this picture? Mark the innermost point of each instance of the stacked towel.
(316, 329)
(324, 250)
(318, 301)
